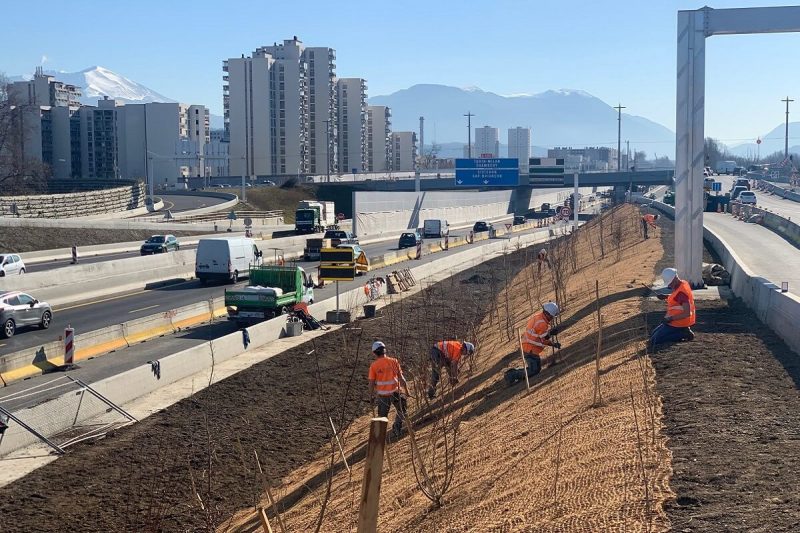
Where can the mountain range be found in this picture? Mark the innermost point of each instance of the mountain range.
(771, 142)
(565, 117)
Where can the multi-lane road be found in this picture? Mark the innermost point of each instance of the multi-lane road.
(776, 204)
(124, 307)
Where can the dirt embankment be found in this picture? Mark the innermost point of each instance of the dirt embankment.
(545, 460)
(26, 239)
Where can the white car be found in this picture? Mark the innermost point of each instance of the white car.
(11, 265)
(747, 197)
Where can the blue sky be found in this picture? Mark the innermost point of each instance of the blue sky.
(620, 51)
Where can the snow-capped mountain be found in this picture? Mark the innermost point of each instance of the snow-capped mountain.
(97, 82)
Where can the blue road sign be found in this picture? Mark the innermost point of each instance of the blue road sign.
(495, 172)
(717, 186)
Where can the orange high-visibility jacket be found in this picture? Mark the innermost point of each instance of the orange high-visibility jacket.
(674, 308)
(650, 219)
(451, 349)
(386, 373)
(533, 341)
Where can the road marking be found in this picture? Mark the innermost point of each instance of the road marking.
(143, 309)
(127, 295)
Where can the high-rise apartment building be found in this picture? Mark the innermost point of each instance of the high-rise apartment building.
(43, 90)
(351, 98)
(487, 143)
(519, 146)
(404, 151)
(280, 110)
(379, 147)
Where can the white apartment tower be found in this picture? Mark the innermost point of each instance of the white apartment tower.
(351, 98)
(379, 147)
(404, 151)
(280, 110)
(519, 146)
(487, 142)
(43, 90)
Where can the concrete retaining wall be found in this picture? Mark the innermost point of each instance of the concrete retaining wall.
(79, 204)
(778, 310)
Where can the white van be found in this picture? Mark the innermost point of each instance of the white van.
(435, 228)
(225, 259)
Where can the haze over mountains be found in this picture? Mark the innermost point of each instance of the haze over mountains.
(565, 117)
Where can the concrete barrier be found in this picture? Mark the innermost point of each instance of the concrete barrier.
(778, 310)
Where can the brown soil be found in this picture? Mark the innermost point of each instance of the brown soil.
(279, 198)
(732, 415)
(26, 239)
(190, 467)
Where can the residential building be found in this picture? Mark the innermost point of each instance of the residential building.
(404, 151)
(379, 147)
(217, 154)
(487, 143)
(280, 110)
(351, 98)
(519, 146)
(43, 90)
(100, 140)
(600, 158)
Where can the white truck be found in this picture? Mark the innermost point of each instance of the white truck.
(312, 216)
(435, 228)
(726, 167)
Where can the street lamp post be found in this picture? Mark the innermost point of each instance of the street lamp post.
(619, 109)
(469, 116)
(786, 137)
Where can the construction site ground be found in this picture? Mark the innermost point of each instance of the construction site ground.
(702, 437)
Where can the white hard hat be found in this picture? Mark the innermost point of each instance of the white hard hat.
(469, 347)
(377, 344)
(551, 308)
(669, 274)
(543, 251)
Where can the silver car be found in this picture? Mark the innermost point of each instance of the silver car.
(18, 309)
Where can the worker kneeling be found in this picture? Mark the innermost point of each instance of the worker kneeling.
(680, 316)
(385, 383)
(536, 339)
(447, 354)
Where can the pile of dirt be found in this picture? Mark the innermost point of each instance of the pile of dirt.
(27, 239)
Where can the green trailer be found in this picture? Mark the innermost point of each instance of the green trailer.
(273, 290)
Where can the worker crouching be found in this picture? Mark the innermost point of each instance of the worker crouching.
(386, 381)
(680, 317)
(537, 337)
(447, 354)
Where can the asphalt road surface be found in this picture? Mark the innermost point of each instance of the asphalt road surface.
(776, 204)
(177, 203)
(143, 303)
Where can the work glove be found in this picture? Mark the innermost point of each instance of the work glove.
(556, 345)
(553, 331)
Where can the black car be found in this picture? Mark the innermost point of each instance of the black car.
(519, 219)
(409, 239)
(158, 244)
(481, 226)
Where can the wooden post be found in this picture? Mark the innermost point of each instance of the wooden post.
(262, 515)
(341, 450)
(524, 362)
(373, 471)
(597, 397)
(268, 490)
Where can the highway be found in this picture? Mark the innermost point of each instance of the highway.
(143, 303)
(124, 307)
(178, 202)
(776, 204)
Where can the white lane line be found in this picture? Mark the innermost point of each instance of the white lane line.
(143, 309)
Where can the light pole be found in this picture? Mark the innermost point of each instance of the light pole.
(786, 136)
(619, 109)
(469, 116)
(327, 123)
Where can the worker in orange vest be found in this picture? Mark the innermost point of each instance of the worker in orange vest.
(537, 337)
(447, 354)
(680, 317)
(386, 381)
(648, 220)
